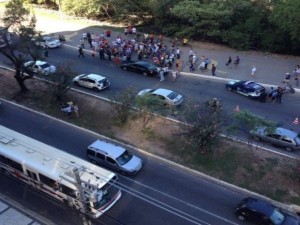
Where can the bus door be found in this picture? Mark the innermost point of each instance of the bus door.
(33, 178)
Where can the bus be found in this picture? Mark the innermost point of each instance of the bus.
(82, 185)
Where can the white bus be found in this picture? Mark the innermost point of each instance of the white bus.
(90, 189)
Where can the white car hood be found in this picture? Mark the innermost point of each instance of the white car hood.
(134, 164)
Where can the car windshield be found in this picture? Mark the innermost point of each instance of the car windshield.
(46, 65)
(172, 95)
(124, 158)
(276, 217)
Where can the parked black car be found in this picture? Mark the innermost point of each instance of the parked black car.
(263, 213)
(143, 67)
(249, 89)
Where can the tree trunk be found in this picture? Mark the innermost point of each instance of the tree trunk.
(20, 81)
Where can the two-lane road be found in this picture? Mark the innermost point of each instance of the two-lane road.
(161, 193)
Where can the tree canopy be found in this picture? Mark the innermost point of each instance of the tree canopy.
(267, 25)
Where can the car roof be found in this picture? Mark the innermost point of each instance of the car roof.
(38, 62)
(286, 132)
(162, 91)
(259, 206)
(112, 150)
(95, 76)
(144, 63)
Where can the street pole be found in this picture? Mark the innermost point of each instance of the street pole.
(85, 218)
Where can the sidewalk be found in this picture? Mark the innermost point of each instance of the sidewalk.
(12, 213)
(271, 69)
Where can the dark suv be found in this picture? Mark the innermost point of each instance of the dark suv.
(263, 213)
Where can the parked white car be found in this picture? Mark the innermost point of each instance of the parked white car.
(48, 41)
(168, 96)
(40, 67)
(92, 81)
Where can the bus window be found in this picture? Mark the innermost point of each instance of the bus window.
(14, 165)
(46, 180)
(67, 191)
(32, 175)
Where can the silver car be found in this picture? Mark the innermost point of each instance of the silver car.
(168, 96)
(281, 137)
(114, 157)
(40, 67)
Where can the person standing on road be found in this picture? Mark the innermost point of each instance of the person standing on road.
(161, 74)
(174, 75)
(213, 70)
(81, 54)
(253, 71)
(178, 53)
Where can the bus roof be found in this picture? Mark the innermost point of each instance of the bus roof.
(49, 161)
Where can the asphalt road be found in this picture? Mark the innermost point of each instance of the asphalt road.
(162, 193)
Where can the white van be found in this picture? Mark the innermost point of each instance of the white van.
(114, 157)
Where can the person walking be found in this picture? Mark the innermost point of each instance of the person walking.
(213, 70)
(46, 53)
(253, 71)
(161, 74)
(229, 61)
(81, 54)
(174, 75)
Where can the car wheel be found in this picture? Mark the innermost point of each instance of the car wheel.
(289, 149)
(76, 83)
(241, 217)
(229, 88)
(145, 74)
(95, 89)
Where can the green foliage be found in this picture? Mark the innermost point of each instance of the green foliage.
(61, 81)
(202, 125)
(122, 103)
(18, 19)
(245, 121)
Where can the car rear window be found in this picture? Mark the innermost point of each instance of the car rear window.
(172, 95)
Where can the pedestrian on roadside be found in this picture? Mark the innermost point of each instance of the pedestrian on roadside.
(253, 71)
(279, 94)
(287, 78)
(237, 60)
(46, 53)
(108, 33)
(161, 74)
(206, 62)
(174, 75)
(270, 92)
(213, 70)
(125, 30)
(81, 54)
(229, 61)
(178, 53)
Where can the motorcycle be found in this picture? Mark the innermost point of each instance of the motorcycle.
(288, 89)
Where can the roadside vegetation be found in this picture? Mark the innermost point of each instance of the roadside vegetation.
(270, 26)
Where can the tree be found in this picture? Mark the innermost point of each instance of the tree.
(202, 124)
(149, 105)
(18, 20)
(122, 103)
(245, 122)
(61, 80)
